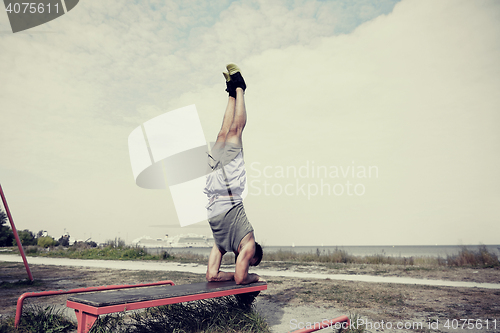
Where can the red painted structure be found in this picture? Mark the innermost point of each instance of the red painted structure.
(87, 314)
(14, 230)
(326, 324)
(20, 300)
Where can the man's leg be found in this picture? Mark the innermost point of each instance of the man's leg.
(239, 121)
(226, 123)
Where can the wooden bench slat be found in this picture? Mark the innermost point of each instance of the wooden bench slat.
(108, 298)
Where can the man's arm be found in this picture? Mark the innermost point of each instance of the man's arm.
(213, 272)
(241, 275)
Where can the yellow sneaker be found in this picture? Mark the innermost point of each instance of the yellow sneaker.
(236, 78)
(232, 69)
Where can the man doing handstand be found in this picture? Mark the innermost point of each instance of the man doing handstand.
(225, 184)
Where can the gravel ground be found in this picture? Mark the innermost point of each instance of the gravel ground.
(293, 302)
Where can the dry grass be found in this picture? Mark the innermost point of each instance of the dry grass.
(480, 258)
(465, 258)
(225, 314)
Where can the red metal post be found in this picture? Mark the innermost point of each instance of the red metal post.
(14, 230)
(20, 300)
(85, 321)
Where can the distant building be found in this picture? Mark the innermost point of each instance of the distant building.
(147, 241)
(179, 241)
(190, 240)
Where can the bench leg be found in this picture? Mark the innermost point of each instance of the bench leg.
(85, 321)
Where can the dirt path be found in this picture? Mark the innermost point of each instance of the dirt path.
(432, 276)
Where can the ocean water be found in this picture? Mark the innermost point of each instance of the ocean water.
(386, 250)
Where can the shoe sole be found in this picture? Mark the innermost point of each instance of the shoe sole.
(232, 69)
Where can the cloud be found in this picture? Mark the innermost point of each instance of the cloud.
(103, 68)
(400, 92)
(412, 91)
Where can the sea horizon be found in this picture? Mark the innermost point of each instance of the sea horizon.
(358, 250)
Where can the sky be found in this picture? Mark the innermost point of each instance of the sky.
(369, 122)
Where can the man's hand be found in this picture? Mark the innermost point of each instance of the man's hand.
(249, 278)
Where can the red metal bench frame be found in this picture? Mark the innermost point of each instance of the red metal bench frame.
(20, 300)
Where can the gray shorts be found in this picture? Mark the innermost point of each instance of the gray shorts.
(230, 227)
(224, 156)
(226, 178)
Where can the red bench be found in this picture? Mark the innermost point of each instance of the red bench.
(89, 306)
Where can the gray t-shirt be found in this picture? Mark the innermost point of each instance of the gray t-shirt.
(230, 228)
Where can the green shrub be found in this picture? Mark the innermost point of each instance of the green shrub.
(46, 241)
(26, 237)
(133, 253)
(6, 234)
(31, 249)
(36, 319)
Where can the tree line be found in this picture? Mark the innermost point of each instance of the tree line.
(26, 236)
